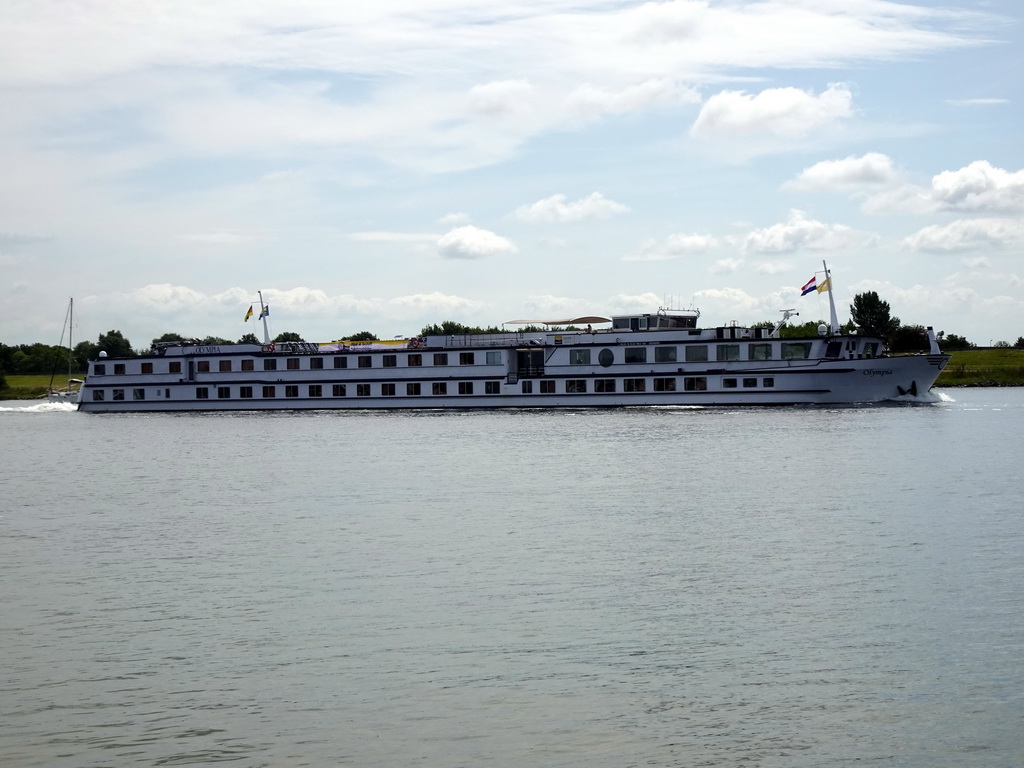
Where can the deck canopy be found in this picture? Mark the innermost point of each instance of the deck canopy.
(566, 321)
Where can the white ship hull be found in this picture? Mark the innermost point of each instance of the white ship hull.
(604, 369)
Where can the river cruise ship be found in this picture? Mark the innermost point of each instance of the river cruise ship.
(656, 359)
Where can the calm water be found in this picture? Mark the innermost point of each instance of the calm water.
(764, 587)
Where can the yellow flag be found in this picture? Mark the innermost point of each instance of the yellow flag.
(825, 285)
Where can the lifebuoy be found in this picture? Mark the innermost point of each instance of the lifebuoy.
(268, 347)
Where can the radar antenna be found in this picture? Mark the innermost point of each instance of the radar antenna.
(786, 314)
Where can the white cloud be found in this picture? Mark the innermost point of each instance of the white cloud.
(592, 101)
(673, 247)
(774, 267)
(470, 242)
(786, 112)
(800, 232)
(976, 188)
(975, 102)
(726, 266)
(873, 169)
(500, 99)
(967, 235)
(979, 187)
(554, 208)
(437, 303)
(452, 219)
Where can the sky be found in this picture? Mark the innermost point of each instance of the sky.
(382, 166)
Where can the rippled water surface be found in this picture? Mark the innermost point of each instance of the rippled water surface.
(649, 587)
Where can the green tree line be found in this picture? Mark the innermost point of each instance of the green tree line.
(870, 316)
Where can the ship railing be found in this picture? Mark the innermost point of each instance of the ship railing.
(485, 340)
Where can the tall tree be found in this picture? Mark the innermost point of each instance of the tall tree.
(872, 315)
(115, 344)
(288, 336)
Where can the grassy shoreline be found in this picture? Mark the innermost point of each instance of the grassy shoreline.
(969, 368)
(992, 367)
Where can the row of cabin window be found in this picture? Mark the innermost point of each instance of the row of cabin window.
(659, 384)
(412, 360)
(387, 389)
(415, 389)
(698, 353)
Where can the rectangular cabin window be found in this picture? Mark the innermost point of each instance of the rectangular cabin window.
(362, 390)
(636, 354)
(414, 360)
(465, 387)
(440, 358)
(768, 382)
(118, 369)
(729, 383)
(728, 352)
(316, 390)
(439, 388)
(579, 357)
(118, 394)
(147, 368)
(269, 364)
(748, 383)
(871, 349)
(291, 390)
(796, 350)
(467, 358)
(316, 363)
(547, 387)
(365, 361)
(492, 387)
(575, 386)
(527, 387)
(97, 394)
(634, 385)
(389, 361)
(101, 370)
(665, 385)
(664, 354)
(269, 391)
(202, 393)
(697, 353)
(292, 364)
(245, 393)
(138, 394)
(387, 389)
(224, 366)
(413, 389)
(248, 364)
(223, 393)
(203, 366)
(338, 390)
(604, 385)
(759, 351)
(494, 357)
(341, 362)
(695, 384)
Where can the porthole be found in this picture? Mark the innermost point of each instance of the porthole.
(606, 357)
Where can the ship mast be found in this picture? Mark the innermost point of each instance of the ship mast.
(834, 330)
(263, 317)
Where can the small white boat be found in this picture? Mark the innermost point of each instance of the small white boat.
(70, 393)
